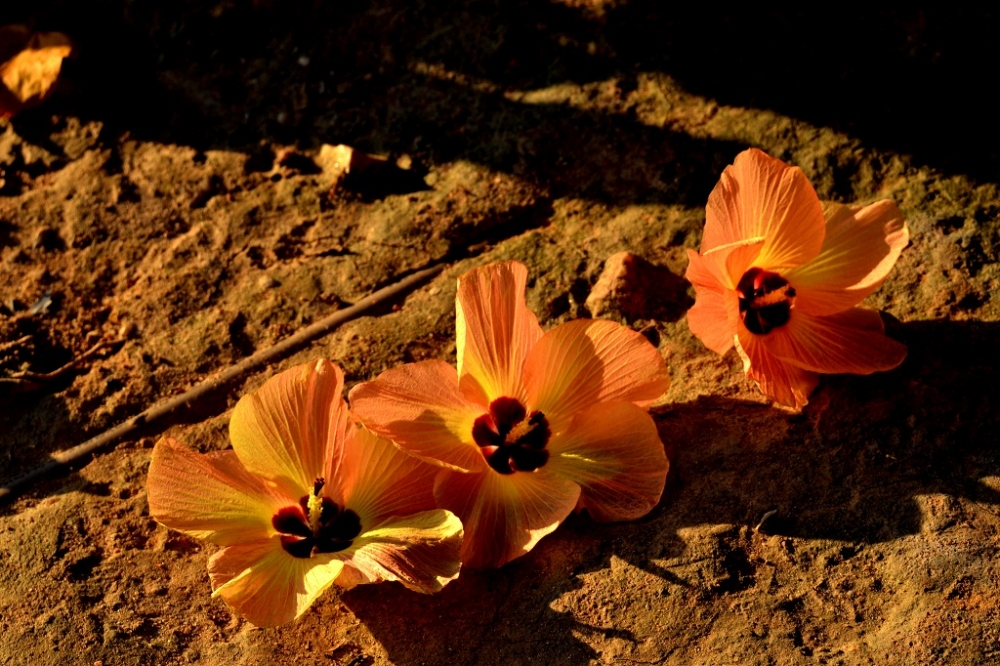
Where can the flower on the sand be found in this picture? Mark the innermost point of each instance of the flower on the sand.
(532, 425)
(306, 498)
(780, 273)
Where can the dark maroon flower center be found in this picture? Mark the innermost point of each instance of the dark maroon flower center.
(316, 525)
(511, 439)
(765, 300)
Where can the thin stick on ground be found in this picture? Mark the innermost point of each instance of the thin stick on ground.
(15, 343)
(160, 409)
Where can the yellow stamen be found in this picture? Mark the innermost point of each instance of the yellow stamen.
(770, 298)
(315, 505)
(315, 510)
(518, 431)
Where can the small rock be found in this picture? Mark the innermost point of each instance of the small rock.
(266, 282)
(618, 289)
(631, 287)
(126, 331)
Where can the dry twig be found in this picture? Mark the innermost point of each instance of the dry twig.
(160, 409)
(14, 343)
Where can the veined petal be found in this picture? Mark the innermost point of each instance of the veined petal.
(495, 331)
(759, 196)
(853, 341)
(420, 407)
(209, 497)
(723, 266)
(377, 480)
(613, 451)
(421, 551)
(266, 585)
(862, 244)
(350, 576)
(287, 430)
(739, 258)
(504, 515)
(782, 382)
(709, 318)
(715, 314)
(705, 273)
(584, 362)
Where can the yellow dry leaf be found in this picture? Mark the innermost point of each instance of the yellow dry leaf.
(29, 76)
(340, 160)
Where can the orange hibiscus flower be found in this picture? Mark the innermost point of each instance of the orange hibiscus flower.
(779, 274)
(532, 424)
(306, 498)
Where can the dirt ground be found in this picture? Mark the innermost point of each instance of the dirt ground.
(170, 198)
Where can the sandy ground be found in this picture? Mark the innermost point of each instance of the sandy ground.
(171, 196)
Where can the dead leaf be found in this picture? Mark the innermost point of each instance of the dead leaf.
(31, 67)
(336, 161)
(372, 176)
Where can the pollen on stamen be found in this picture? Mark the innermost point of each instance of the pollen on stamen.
(769, 298)
(518, 431)
(315, 505)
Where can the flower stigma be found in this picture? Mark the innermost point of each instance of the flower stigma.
(766, 300)
(511, 439)
(316, 525)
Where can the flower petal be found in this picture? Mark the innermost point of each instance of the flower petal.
(703, 272)
(760, 197)
(421, 551)
(715, 314)
(377, 480)
(420, 407)
(862, 244)
(726, 263)
(613, 451)
(505, 515)
(782, 382)
(287, 431)
(266, 585)
(350, 577)
(709, 319)
(853, 341)
(587, 361)
(495, 331)
(209, 497)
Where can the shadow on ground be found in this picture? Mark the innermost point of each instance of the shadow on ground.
(428, 79)
(847, 469)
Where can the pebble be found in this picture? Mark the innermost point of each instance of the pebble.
(619, 289)
(127, 330)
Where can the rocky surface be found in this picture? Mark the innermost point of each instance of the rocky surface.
(174, 198)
